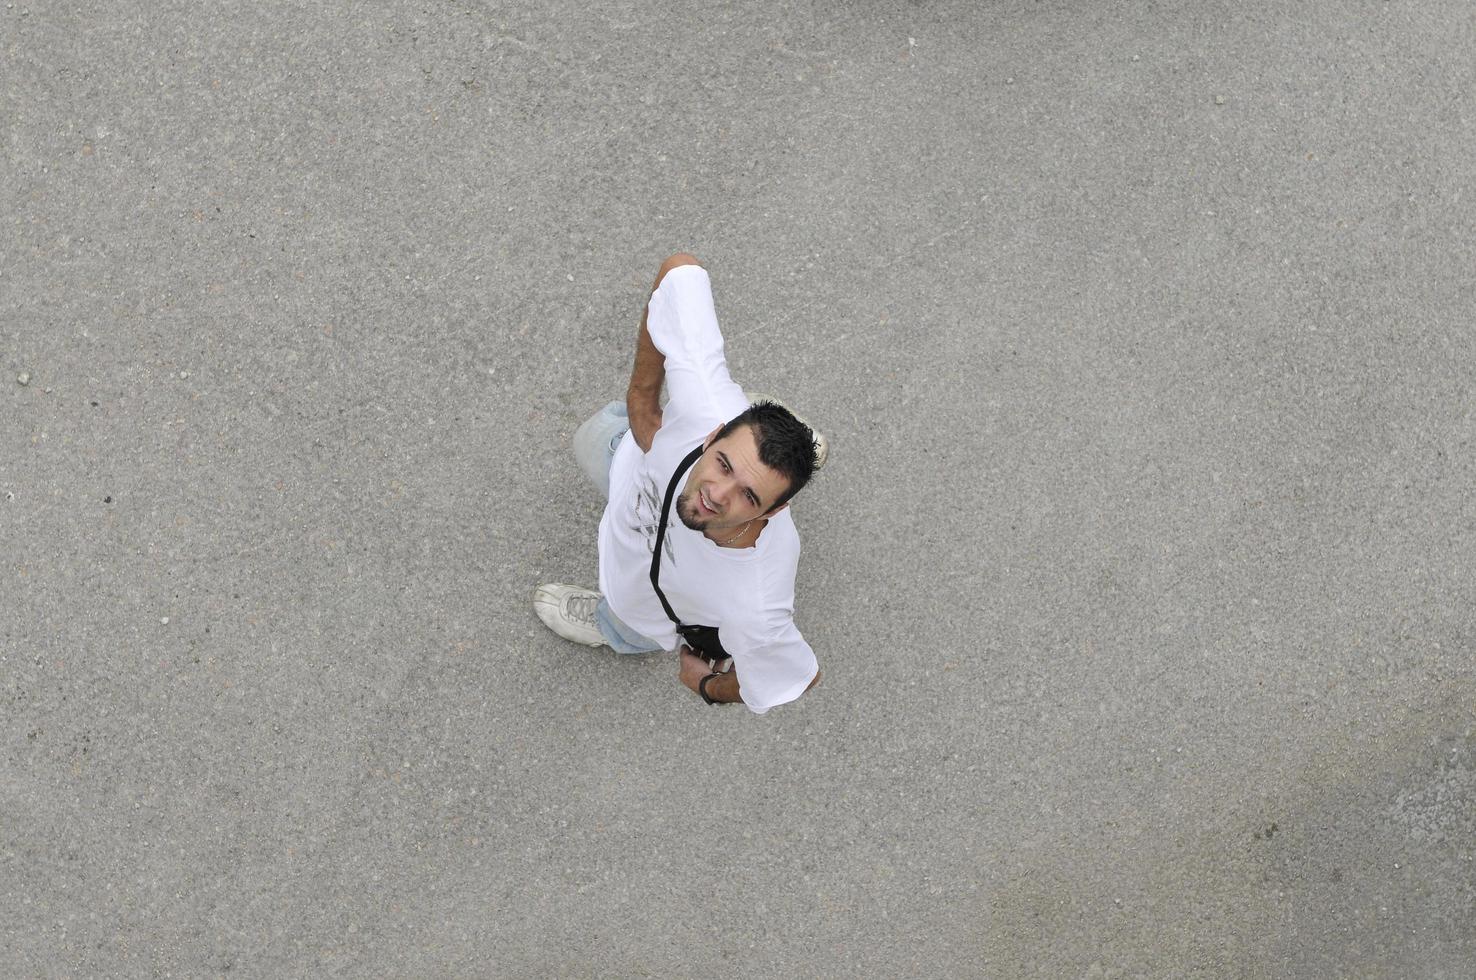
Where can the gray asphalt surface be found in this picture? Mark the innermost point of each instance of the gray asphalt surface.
(1141, 576)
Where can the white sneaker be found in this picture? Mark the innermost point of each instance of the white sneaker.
(822, 444)
(569, 612)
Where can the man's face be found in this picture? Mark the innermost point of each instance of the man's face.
(728, 486)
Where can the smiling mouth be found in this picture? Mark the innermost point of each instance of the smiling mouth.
(703, 503)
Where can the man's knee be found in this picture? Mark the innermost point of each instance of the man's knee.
(674, 262)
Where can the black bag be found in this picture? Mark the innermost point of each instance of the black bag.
(702, 639)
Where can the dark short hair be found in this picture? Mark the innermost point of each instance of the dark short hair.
(785, 444)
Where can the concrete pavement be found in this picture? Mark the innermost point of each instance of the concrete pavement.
(1140, 577)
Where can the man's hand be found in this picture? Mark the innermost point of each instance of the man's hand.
(693, 668)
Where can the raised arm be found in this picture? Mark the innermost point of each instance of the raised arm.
(643, 396)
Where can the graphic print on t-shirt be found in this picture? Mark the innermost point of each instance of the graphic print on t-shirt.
(648, 518)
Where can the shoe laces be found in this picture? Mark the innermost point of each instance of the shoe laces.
(582, 608)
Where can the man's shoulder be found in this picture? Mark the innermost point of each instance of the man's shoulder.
(681, 433)
(775, 565)
(785, 533)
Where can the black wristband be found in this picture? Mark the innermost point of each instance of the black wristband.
(702, 687)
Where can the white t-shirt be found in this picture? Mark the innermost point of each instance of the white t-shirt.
(747, 593)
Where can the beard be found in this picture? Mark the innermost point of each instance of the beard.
(686, 508)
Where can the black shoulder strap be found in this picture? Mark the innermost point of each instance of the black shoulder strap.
(676, 478)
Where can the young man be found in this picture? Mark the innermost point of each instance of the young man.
(724, 470)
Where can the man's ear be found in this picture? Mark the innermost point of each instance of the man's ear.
(711, 436)
(776, 510)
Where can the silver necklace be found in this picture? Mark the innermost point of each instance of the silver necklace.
(735, 537)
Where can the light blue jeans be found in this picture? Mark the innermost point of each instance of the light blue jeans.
(595, 442)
